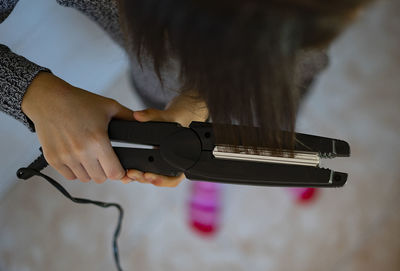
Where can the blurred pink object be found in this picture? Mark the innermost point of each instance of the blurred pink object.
(204, 207)
(304, 194)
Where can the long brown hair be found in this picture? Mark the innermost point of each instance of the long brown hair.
(239, 55)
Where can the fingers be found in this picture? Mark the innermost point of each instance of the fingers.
(80, 172)
(122, 112)
(150, 114)
(70, 168)
(126, 180)
(155, 179)
(135, 175)
(110, 163)
(95, 171)
(66, 172)
(164, 181)
(101, 162)
(97, 161)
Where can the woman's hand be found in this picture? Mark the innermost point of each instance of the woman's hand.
(72, 125)
(183, 110)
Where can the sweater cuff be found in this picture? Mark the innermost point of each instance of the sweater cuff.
(16, 74)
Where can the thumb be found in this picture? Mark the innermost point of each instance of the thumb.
(123, 113)
(149, 114)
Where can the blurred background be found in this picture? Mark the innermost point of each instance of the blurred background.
(356, 227)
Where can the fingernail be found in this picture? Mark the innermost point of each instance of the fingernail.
(134, 175)
(156, 182)
(126, 180)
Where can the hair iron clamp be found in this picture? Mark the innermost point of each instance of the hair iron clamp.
(194, 152)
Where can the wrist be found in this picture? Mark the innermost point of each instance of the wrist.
(39, 91)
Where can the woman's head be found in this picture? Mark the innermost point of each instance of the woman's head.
(240, 55)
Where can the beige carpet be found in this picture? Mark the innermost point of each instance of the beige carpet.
(353, 228)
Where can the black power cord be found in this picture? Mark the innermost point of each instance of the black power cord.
(34, 169)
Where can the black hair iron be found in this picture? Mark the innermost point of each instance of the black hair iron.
(195, 152)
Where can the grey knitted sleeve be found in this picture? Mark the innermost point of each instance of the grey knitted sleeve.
(16, 74)
(6, 6)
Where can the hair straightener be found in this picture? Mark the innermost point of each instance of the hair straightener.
(196, 152)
